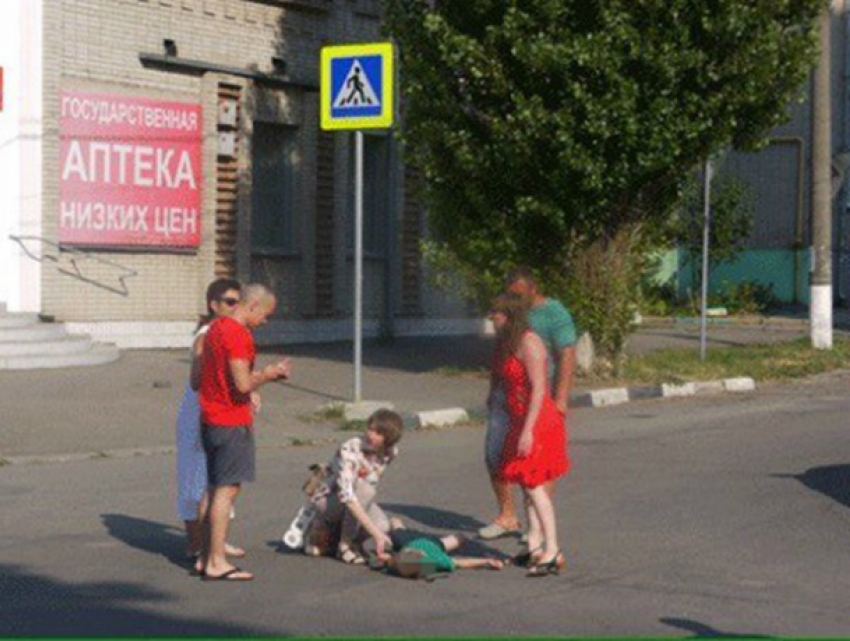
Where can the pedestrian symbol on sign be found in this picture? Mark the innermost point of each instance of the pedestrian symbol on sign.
(356, 90)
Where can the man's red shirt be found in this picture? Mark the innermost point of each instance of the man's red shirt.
(222, 405)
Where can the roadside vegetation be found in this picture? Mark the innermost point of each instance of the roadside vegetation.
(564, 135)
(766, 362)
(763, 362)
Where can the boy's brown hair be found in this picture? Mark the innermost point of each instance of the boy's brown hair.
(389, 425)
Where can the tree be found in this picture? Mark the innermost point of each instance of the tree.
(546, 126)
(731, 223)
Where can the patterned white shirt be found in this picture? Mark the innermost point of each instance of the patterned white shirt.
(353, 461)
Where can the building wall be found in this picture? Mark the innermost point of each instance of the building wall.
(93, 46)
(20, 154)
(777, 252)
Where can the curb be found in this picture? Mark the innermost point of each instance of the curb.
(608, 397)
(619, 395)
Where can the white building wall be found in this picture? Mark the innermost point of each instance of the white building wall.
(20, 152)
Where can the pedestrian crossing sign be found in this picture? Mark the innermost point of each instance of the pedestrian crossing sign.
(357, 86)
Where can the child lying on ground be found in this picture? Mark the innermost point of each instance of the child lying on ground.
(422, 555)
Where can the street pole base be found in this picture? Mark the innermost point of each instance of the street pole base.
(821, 316)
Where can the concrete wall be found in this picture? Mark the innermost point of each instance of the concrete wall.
(786, 271)
(20, 153)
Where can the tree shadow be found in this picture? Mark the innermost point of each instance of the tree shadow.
(703, 631)
(435, 518)
(164, 539)
(830, 480)
(410, 354)
(38, 606)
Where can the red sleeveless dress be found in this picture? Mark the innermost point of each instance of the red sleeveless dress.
(548, 458)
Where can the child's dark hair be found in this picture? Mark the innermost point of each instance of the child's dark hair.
(389, 425)
(215, 290)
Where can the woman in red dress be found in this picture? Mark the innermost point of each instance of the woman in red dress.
(535, 452)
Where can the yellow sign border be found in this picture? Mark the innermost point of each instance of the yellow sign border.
(382, 121)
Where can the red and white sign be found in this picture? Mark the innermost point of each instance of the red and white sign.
(130, 171)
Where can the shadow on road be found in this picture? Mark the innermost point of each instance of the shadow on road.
(156, 538)
(703, 631)
(38, 606)
(831, 480)
(435, 517)
(416, 355)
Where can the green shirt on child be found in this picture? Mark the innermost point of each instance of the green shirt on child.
(433, 553)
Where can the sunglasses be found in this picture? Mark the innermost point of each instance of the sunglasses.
(230, 302)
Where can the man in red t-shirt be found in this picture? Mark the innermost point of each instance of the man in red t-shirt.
(228, 379)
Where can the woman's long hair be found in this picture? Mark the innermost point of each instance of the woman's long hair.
(514, 307)
(215, 291)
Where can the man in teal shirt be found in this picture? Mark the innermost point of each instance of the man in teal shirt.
(550, 320)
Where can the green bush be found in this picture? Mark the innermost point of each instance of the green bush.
(749, 297)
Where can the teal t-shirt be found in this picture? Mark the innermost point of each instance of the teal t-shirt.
(433, 554)
(554, 324)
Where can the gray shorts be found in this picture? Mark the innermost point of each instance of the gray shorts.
(231, 455)
(498, 426)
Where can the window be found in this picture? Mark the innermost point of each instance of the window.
(272, 210)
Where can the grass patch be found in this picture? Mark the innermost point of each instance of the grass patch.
(472, 423)
(763, 362)
(331, 413)
(453, 371)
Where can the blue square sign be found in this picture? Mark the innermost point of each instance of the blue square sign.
(356, 87)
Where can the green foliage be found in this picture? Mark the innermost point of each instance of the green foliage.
(659, 299)
(731, 223)
(542, 124)
(600, 279)
(747, 297)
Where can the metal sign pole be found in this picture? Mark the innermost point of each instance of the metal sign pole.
(705, 250)
(358, 264)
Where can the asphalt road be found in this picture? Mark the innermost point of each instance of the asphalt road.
(708, 516)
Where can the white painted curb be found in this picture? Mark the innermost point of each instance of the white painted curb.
(742, 384)
(606, 397)
(669, 390)
(439, 418)
(709, 387)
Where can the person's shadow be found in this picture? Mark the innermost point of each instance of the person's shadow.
(830, 480)
(447, 522)
(703, 631)
(435, 518)
(38, 605)
(152, 537)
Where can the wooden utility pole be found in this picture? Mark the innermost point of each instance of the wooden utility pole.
(820, 302)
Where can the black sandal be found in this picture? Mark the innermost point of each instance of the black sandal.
(523, 559)
(549, 567)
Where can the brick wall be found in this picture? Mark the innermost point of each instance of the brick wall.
(94, 46)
